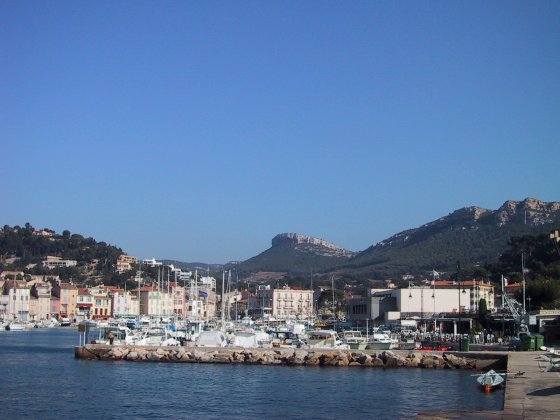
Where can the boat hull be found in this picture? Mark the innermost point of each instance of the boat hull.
(490, 380)
(15, 327)
(378, 346)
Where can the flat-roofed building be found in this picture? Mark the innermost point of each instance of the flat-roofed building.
(284, 303)
(55, 262)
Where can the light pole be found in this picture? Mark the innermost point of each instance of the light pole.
(434, 298)
(459, 290)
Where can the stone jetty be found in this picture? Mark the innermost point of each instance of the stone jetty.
(293, 357)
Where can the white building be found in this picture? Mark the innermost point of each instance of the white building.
(124, 303)
(54, 262)
(152, 262)
(15, 302)
(385, 305)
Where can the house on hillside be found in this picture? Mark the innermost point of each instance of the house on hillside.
(56, 262)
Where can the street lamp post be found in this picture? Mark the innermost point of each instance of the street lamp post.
(459, 290)
(434, 298)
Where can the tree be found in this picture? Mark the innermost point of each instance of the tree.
(544, 292)
(482, 313)
(325, 301)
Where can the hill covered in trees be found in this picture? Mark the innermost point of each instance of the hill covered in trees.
(538, 258)
(24, 248)
(472, 235)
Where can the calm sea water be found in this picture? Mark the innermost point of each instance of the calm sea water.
(40, 378)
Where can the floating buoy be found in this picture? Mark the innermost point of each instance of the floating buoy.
(487, 388)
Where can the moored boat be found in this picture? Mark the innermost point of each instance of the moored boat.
(490, 380)
(325, 339)
(354, 339)
(378, 341)
(15, 326)
(211, 338)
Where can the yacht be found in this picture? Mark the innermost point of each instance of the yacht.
(378, 341)
(354, 339)
(325, 339)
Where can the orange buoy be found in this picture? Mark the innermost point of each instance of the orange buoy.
(487, 388)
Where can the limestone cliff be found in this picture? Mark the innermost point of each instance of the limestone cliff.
(310, 244)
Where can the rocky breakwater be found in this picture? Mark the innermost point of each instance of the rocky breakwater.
(286, 357)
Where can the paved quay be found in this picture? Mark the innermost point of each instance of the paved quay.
(535, 394)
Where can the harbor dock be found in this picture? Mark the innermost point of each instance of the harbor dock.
(531, 392)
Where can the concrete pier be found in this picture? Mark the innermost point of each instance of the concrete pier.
(534, 393)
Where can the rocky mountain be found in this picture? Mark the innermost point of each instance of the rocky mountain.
(311, 245)
(294, 253)
(472, 235)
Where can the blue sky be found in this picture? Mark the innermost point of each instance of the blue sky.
(199, 130)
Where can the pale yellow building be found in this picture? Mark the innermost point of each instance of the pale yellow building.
(284, 303)
(101, 302)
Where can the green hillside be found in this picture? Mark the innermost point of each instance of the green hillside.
(286, 258)
(24, 248)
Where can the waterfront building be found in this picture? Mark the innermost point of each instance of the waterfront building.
(4, 300)
(200, 298)
(16, 306)
(33, 308)
(201, 303)
(477, 289)
(68, 294)
(453, 301)
(123, 303)
(84, 305)
(156, 301)
(179, 301)
(41, 296)
(284, 303)
(101, 302)
(55, 307)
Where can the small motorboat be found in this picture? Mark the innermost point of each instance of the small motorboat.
(490, 380)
